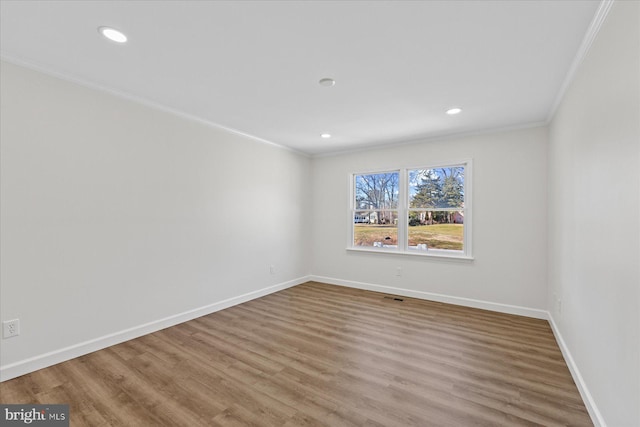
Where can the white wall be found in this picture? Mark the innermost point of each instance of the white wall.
(115, 214)
(594, 218)
(509, 223)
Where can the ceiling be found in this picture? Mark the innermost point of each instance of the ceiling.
(254, 66)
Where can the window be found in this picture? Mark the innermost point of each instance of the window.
(375, 213)
(421, 211)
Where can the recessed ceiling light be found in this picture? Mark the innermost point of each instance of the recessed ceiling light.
(455, 110)
(113, 34)
(327, 82)
(325, 135)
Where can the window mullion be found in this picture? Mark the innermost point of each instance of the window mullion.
(403, 213)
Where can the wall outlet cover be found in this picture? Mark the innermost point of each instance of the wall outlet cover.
(10, 328)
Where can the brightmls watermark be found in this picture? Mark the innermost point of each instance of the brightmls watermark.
(34, 415)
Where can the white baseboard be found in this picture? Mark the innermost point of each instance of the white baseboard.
(32, 364)
(595, 414)
(467, 302)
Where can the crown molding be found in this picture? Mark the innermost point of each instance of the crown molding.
(415, 140)
(142, 101)
(596, 23)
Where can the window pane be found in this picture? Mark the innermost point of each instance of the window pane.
(436, 230)
(437, 187)
(377, 191)
(381, 230)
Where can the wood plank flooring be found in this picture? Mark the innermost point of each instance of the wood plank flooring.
(317, 354)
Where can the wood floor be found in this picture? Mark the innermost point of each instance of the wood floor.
(318, 354)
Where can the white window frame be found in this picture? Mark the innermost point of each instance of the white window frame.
(403, 213)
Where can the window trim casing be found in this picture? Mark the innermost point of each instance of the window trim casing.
(403, 212)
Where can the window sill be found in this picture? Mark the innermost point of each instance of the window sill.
(432, 253)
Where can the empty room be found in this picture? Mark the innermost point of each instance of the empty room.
(320, 213)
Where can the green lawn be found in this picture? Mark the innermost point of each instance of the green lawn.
(366, 234)
(436, 236)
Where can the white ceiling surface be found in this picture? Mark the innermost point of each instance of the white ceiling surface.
(254, 66)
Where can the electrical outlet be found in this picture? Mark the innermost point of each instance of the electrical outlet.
(11, 328)
(559, 302)
(399, 271)
(272, 269)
